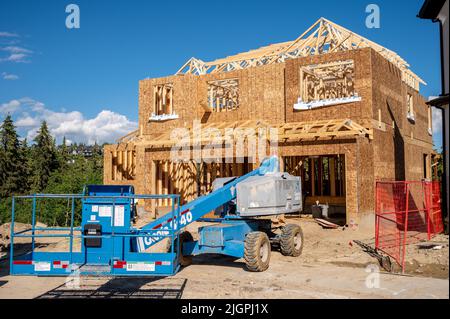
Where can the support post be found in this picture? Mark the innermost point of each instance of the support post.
(11, 242)
(33, 223)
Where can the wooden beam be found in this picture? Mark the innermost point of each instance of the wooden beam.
(312, 169)
(153, 185)
(119, 165)
(332, 175)
(160, 182)
(166, 182)
(171, 180)
(114, 165)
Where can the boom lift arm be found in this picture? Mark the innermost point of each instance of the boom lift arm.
(197, 208)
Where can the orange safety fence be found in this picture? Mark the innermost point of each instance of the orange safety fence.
(406, 212)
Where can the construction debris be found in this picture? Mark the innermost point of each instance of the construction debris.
(326, 224)
(430, 246)
(384, 261)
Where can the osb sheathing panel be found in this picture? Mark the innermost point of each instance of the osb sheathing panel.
(385, 159)
(261, 96)
(388, 95)
(415, 161)
(266, 92)
(419, 128)
(387, 99)
(366, 181)
(399, 146)
(184, 103)
(269, 93)
(362, 79)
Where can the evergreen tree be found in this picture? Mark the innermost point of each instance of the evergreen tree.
(63, 153)
(26, 159)
(13, 163)
(45, 159)
(43, 167)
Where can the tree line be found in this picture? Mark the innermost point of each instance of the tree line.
(42, 166)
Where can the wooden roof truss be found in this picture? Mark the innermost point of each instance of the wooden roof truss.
(323, 36)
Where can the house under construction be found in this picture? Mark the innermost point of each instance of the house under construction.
(346, 112)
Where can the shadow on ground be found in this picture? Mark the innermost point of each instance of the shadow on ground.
(217, 260)
(19, 250)
(119, 287)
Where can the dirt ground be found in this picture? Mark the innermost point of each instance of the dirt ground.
(331, 266)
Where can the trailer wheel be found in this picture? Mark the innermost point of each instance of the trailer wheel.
(184, 237)
(291, 240)
(257, 251)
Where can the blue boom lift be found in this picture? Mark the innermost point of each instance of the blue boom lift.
(110, 245)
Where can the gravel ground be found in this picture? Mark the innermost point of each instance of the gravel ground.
(331, 266)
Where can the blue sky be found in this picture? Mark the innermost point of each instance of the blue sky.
(90, 75)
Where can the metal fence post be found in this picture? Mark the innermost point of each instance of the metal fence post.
(33, 223)
(172, 228)
(71, 229)
(11, 242)
(405, 233)
(112, 230)
(427, 193)
(377, 221)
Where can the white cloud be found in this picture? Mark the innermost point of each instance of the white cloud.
(8, 34)
(35, 106)
(9, 107)
(11, 77)
(16, 49)
(15, 53)
(16, 57)
(106, 126)
(27, 121)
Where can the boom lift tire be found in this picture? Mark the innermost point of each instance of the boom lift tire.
(291, 240)
(257, 251)
(184, 237)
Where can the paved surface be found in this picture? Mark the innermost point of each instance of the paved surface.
(329, 268)
(224, 278)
